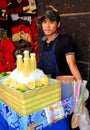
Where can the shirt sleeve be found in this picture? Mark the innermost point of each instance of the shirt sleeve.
(68, 46)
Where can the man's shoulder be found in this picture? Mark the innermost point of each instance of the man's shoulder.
(66, 39)
(64, 36)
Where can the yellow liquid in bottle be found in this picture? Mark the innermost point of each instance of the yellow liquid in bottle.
(26, 67)
(26, 54)
(19, 63)
(33, 61)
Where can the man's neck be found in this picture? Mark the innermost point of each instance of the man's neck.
(51, 38)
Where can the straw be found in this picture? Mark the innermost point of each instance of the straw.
(84, 83)
(74, 86)
(76, 94)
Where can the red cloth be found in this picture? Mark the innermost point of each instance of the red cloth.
(21, 26)
(3, 4)
(34, 31)
(34, 28)
(7, 61)
(12, 9)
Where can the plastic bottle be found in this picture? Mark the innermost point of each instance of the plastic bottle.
(26, 54)
(26, 67)
(33, 63)
(19, 63)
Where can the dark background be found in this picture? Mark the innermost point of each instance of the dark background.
(75, 21)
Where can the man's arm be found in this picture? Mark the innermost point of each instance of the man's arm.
(73, 67)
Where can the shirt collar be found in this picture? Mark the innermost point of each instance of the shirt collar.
(45, 37)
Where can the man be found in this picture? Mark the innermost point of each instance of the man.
(57, 56)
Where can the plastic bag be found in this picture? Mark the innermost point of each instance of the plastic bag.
(84, 117)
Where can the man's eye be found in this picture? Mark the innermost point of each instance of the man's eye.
(44, 21)
(51, 21)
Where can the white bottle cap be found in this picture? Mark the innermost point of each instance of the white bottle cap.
(19, 56)
(32, 54)
(26, 51)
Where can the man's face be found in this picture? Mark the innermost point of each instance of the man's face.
(49, 27)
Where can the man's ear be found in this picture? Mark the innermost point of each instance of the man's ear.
(58, 24)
